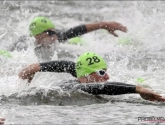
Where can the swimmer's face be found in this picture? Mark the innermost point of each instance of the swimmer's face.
(47, 37)
(98, 76)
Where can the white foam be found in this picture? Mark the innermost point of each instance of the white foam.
(127, 62)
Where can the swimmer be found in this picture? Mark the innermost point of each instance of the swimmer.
(90, 70)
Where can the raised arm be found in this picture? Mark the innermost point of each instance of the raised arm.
(82, 29)
(52, 66)
(109, 26)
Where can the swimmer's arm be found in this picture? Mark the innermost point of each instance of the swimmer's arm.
(29, 71)
(59, 66)
(82, 29)
(52, 66)
(109, 26)
(110, 88)
(72, 32)
(117, 88)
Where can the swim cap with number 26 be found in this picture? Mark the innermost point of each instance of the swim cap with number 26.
(39, 25)
(88, 63)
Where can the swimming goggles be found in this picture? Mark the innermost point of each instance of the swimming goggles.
(50, 32)
(101, 72)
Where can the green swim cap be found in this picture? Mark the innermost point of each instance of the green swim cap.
(39, 25)
(88, 63)
(5, 53)
(124, 41)
(140, 80)
(75, 40)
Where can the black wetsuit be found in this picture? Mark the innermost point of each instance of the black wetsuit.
(71, 33)
(108, 88)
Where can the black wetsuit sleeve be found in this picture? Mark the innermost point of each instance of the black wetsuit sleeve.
(59, 66)
(73, 32)
(109, 88)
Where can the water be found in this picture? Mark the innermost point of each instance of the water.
(44, 102)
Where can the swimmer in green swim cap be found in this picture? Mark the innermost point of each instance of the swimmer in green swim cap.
(46, 35)
(90, 69)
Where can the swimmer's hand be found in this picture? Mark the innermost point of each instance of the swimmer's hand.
(113, 26)
(149, 95)
(29, 72)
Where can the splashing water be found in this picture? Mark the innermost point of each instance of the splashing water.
(143, 58)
